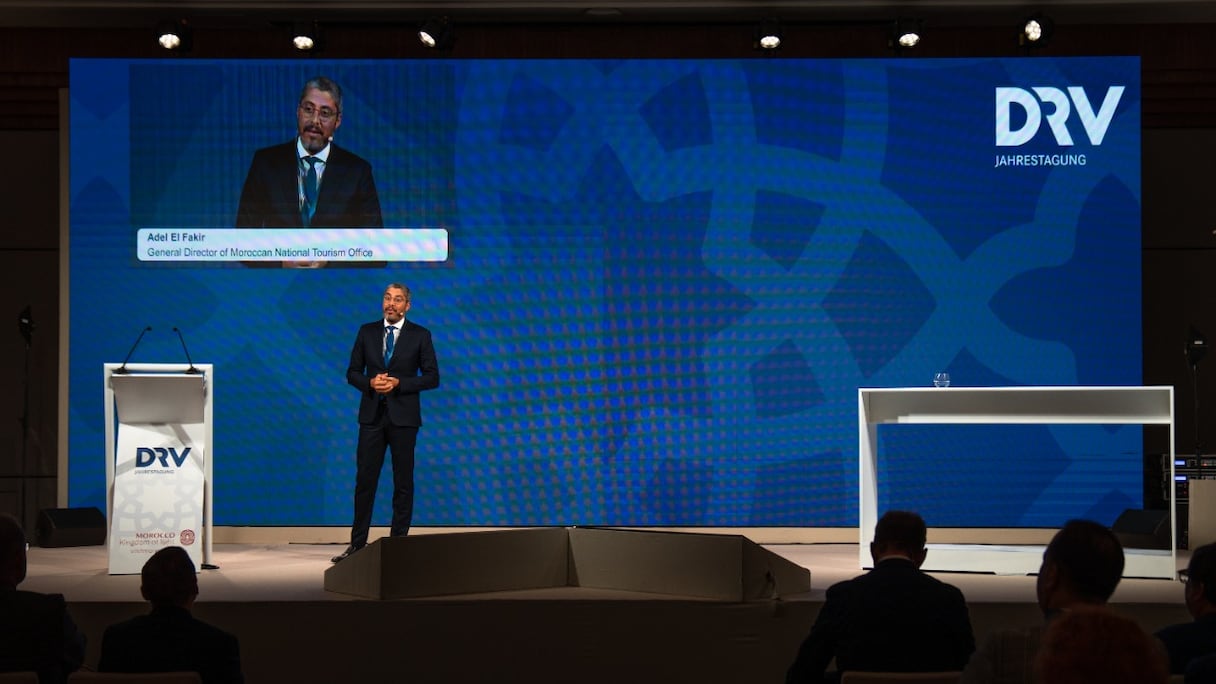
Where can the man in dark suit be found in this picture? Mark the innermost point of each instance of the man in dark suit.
(894, 618)
(170, 639)
(310, 181)
(36, 632)
(1191, 640)
(1202, 670)
(393, 360)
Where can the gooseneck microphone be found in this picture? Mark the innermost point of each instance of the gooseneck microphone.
(191, 370)
(123, 367)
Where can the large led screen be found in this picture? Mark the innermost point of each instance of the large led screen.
(657, 286)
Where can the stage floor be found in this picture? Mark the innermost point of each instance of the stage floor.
(292, 630)
(294, 572)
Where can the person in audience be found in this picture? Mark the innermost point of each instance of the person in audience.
(894, 618)
(1202, 670)
(170, 639)
(1189, 640)
(1098, 646)
(1081, 567)
(37, 633)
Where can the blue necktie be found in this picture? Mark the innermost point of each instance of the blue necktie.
(310, 191)
(388, 344)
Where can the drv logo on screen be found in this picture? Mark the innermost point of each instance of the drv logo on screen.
(1061, 106)
(146, 456)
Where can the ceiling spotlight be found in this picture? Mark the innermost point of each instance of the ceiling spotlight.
(768, 35)
(173, 35)
(305, 36)
(1036, 31)
(436, 33)
(906, 33)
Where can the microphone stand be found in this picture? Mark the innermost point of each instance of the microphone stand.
(1196, 348)
(1195, 389)
(23, 455)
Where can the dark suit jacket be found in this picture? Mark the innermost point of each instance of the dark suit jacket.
(271, 195)
(894, 618)
(37, 634)
(1202, 670)
(170, 639)
(1187, 641)
(413, 363)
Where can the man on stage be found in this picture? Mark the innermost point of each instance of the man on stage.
(393, 360)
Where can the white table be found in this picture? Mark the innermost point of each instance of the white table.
(1007, 405)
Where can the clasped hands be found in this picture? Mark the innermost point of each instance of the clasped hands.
(384, 383)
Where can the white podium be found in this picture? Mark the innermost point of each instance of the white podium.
(1007, 405)
(158, 462)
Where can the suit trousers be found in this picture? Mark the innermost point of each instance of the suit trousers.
(374, 439)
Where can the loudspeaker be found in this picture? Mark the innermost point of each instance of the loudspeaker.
(1141, 529)
(58, 527)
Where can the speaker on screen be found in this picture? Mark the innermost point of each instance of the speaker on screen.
(58, 527)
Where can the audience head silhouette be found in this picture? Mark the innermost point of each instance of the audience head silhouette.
(1189, 642)
(1092, 645)
(1081, 566)
(169, 578)
(36, 631)
(12, 552)
(1200, 593)
(899, 533)
(169, 638)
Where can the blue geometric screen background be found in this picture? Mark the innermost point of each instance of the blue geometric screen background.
(666, 282)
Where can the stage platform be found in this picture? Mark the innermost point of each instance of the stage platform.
(293, 630)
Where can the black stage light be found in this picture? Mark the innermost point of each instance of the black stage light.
(173, 35)
(1196, 347)
(1036, 31)
(768, 35)
(906, 33)
(305, 36)
(436, 33)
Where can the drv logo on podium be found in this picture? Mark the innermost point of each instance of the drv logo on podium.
(1056, 106)
(146, 457)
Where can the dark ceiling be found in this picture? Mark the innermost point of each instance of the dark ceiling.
(1172, 37)
(137, 13)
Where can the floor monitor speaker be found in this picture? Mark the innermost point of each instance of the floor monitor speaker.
(58, 527)
(1143, 529)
